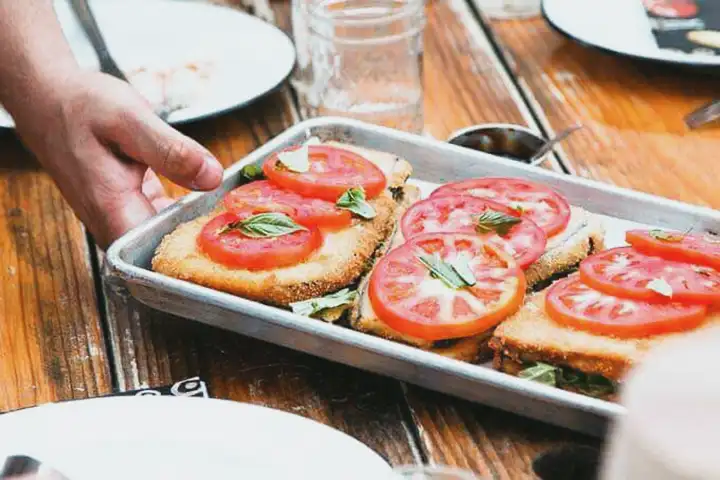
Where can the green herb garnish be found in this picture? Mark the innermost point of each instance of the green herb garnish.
(264, 225)
(541, 373)
(666, 236)
(493, 221)
(354, 200)
(588, 384)
(252, 172)
(316, 305)
(457, 275)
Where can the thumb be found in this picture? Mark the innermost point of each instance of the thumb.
(142, 136)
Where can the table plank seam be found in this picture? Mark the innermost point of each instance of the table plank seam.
(529, 107)
(101, 302)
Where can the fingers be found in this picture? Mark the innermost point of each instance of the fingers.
(131, 210)
(153, 189)
(142, 136)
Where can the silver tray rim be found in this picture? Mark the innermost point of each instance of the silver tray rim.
(127, 274)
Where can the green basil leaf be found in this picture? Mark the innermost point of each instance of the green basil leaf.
(316, 305)
(354, 200)
(666, 236)
(588, 384)
(493, 221)
(264, 225)
(252, 172)
(541, 373)
(461, 266)
(445, 272)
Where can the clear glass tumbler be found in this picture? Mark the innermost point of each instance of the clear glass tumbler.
(509, 9)
(361, 59)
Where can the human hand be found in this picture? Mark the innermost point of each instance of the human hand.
(100, 141)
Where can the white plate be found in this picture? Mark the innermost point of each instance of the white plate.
(184, 438)
(241, 56)
(616, 26)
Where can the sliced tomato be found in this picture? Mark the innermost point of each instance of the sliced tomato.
(672, 8)
(542, 205)
(234, 249)
(625, 272)
(699, 249)
(525, 242)
(572, 303)
(332, 172)
(409, 299)
(262, 196)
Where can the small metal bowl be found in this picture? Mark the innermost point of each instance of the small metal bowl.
(502, 139)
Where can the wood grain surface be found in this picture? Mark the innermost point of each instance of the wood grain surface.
(633, 111)
(51, 342)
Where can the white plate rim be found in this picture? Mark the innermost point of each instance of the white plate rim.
(660, 56)
(88, 409)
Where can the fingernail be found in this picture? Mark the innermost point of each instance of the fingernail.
(209, 176)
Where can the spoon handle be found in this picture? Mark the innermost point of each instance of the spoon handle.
(538, 158)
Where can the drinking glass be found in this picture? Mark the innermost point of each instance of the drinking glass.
(507, 9)
(432, 473)
(361, 59)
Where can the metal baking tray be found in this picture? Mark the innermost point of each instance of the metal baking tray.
(128, 260)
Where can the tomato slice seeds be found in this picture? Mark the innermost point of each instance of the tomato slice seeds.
(682, 247)
(406, 296)
(524, 241)
(234, 249)
(574, 304)
(332, 171)
(545, 207)
(624, 272)
(262, 196)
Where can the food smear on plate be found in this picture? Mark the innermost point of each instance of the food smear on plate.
(174, 87)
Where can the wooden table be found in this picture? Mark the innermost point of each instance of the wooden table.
(67, 335)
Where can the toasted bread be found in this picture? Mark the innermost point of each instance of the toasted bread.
(531, 336)
(343, 258)
(364, 318)
(583, 236)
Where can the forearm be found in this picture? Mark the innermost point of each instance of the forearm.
(35, 58)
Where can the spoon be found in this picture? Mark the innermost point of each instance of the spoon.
(540, 156)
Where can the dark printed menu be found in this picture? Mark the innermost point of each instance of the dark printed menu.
(687, 26)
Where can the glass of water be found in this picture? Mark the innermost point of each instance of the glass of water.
(361, 59)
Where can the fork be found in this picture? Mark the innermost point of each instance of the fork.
(107, 62)
(705, 114)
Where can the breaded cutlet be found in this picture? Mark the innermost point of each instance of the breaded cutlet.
(532, 336)
(342, 259)
(583, 236)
